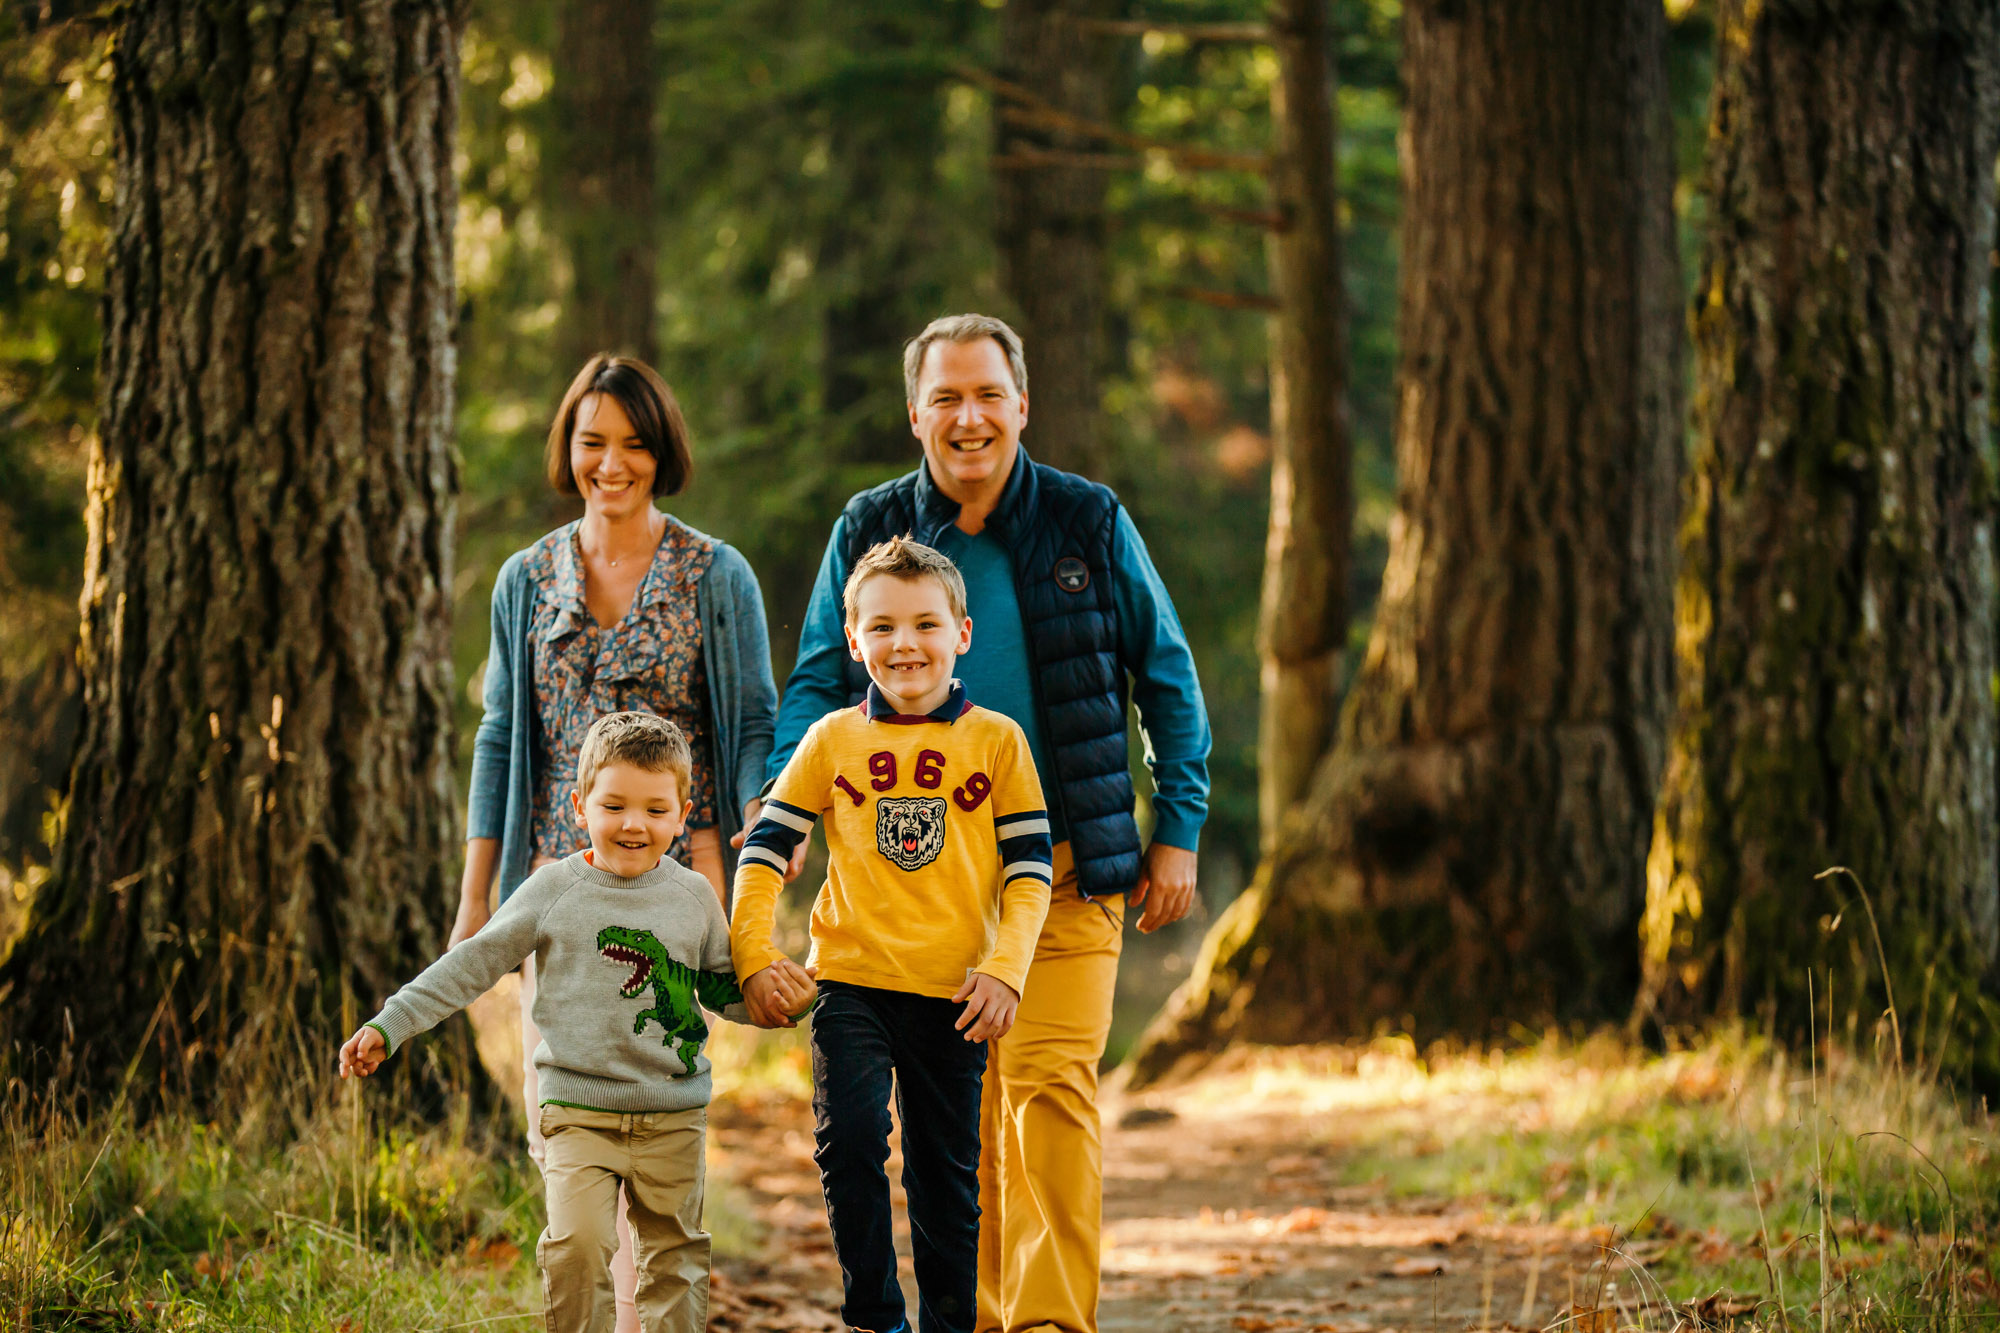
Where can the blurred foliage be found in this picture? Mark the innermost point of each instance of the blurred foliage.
(55, 205)
(825, 191)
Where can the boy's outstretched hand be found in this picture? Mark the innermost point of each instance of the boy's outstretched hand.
(363, 1053)
(779, 991)
(989, 1007)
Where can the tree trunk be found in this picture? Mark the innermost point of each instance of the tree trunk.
(1472, 850)
(884, 149)
(1051, 224)
(600, 169)
(1303, 619)
(260, 807)
(1836, 593)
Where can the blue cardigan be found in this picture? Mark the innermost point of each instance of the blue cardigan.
(743, 704)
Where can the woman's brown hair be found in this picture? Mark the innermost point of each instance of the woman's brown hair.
(651, 407)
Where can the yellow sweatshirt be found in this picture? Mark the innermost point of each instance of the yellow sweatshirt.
(939, 841)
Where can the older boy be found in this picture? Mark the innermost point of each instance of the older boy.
(628, 945)
(935, 894)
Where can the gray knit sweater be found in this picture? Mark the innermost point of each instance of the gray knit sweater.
(622, 970)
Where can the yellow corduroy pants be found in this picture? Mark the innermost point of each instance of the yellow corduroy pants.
(1041, 1164)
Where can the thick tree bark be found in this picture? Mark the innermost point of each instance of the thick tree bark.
(1051, 224)
(1835, 601)
(260, 807)
(1472, 850)
(601, 168)
(1303, 619)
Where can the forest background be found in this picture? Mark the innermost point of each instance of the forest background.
(825, 184)
(765, 200)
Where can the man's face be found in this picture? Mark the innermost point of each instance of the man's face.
(968, 414)
(632, 815)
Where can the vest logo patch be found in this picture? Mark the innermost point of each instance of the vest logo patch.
(1072, 575)
(909, 830)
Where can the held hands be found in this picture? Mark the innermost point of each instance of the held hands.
(776, 993)
(363, 1053)
(1166, 886)
(989, 1007)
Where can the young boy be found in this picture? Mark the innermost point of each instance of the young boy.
(626, 941)
(936, 890)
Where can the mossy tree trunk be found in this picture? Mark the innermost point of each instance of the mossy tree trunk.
(1836, 597)
(1303, 617)
(600, 168)
(1050, 222)
(1471, 852)
(260, 810)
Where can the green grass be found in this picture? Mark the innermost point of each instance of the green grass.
(1720, 1166)
(320, 1220)
(303, 1204)
(305, 1211)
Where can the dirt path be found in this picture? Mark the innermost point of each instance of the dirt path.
(1221, 1213)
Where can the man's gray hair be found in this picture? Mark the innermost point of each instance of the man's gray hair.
(963, 329)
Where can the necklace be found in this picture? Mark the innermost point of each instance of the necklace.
(612, 560)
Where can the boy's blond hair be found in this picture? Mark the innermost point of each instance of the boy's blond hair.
(904, 558)
(643, 740)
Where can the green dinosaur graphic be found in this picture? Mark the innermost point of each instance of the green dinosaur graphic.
(675, 988)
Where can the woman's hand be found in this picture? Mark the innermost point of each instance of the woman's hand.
(475, 888)
(363, 1053)
(472, 914)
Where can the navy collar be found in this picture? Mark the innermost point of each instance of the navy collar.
(935, 509)
(876, 709)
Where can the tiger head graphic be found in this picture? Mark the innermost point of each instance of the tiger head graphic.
(909, 830)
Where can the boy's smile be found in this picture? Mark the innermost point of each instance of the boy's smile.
(904, 634)
(632, 815)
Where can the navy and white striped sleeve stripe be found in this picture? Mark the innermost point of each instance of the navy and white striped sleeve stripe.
(1024, 845)
(779, 831)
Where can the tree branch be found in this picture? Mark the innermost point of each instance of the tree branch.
(1196, 32)
(1026, 158)
(1222, 300)
(1028, 108)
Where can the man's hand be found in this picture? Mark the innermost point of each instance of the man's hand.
(751, 812)
(363, 1053)
(1166, 886)
(989, 1007)
(775, 993)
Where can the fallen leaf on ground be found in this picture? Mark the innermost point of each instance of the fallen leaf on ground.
(1300, 1220)
(493, 1252)
(1413, 1267)
(1250, 1323)
(1583, 1319)
(1719, 1306)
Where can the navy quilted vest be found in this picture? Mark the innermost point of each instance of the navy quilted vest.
(1059, 528)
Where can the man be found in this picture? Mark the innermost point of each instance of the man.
(1065, 605)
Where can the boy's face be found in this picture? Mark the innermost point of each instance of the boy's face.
(632, 815)
(903, 633)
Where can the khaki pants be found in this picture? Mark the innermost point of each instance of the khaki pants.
(704, 856)
(658, 1158)
(1041, 1174)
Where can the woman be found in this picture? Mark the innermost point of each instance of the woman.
(626, 609)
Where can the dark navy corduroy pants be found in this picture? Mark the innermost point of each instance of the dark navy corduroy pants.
(867, 1045)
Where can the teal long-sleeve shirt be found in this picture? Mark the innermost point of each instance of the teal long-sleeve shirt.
(999, 674)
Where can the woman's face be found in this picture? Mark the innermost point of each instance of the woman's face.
(613, 470)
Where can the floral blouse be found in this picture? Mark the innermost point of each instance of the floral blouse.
(649, 662)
